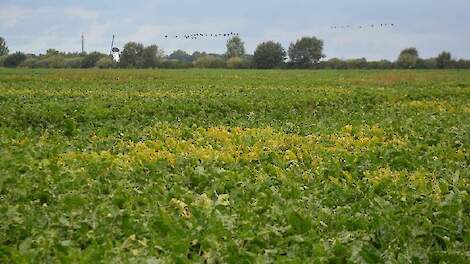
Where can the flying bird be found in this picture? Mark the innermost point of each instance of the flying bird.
(198, 35)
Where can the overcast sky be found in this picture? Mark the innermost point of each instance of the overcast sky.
(430, 25)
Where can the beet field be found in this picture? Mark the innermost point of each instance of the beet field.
(221, 166)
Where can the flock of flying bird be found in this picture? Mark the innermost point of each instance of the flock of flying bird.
(231, 34)
(202, 35)
(363, 26)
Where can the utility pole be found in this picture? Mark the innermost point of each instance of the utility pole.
(83, 44)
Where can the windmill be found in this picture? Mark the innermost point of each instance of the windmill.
(114, 52)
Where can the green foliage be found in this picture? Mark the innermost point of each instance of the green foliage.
(306, 52)
(237, 63)
(269, 55)
(51, 61)
(74, 62)
(197, 54)
(335, 63)
(14, 60)
(151, 56)
(209, 61)
(235, 48)
(90, 60)
(234, 166)
(3, 47)
(426, 63)
(135, 55)
(381, 64)
(59, 60)
(106, 63)
(131, 55)
(408, 58)
(460, 64)
(174, 64)
(52, 52)
(357, 63)
(444, 60)
(31, 62)
(2, 59)
(180, 55)
(407, 61)
(410, 51)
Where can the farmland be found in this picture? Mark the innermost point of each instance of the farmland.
(241, 166)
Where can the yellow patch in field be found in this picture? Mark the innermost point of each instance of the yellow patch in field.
(90, 93)
(203, 202)
(182, 208)
(436, 106)
(233, 145)
(382, 174)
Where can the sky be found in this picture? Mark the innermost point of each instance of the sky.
(432, 26)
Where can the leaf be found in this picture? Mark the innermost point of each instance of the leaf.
(298, 223)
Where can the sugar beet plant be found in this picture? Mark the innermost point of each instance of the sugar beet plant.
(234, 166)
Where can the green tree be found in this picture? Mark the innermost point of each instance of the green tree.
(236, 63)
(408, 58)
(410, 51)
(407, 61)
(444, 60)
(14, 60)
(90, 60)
(209, 61)
(73, 62)
(52, 52)
(2, 60)
(269, 55)
(462, 64)
(132, 55)
(105, 63)
(197, 54)
(3, 47)
(235, 48)
(150, 56)
(336, 63)
(180, 55)
(356, 63)
(381, 64)
(55, 61)
(31, 62)
(430, 63)
(306, 52)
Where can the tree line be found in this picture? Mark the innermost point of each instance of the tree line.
(305, 53)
